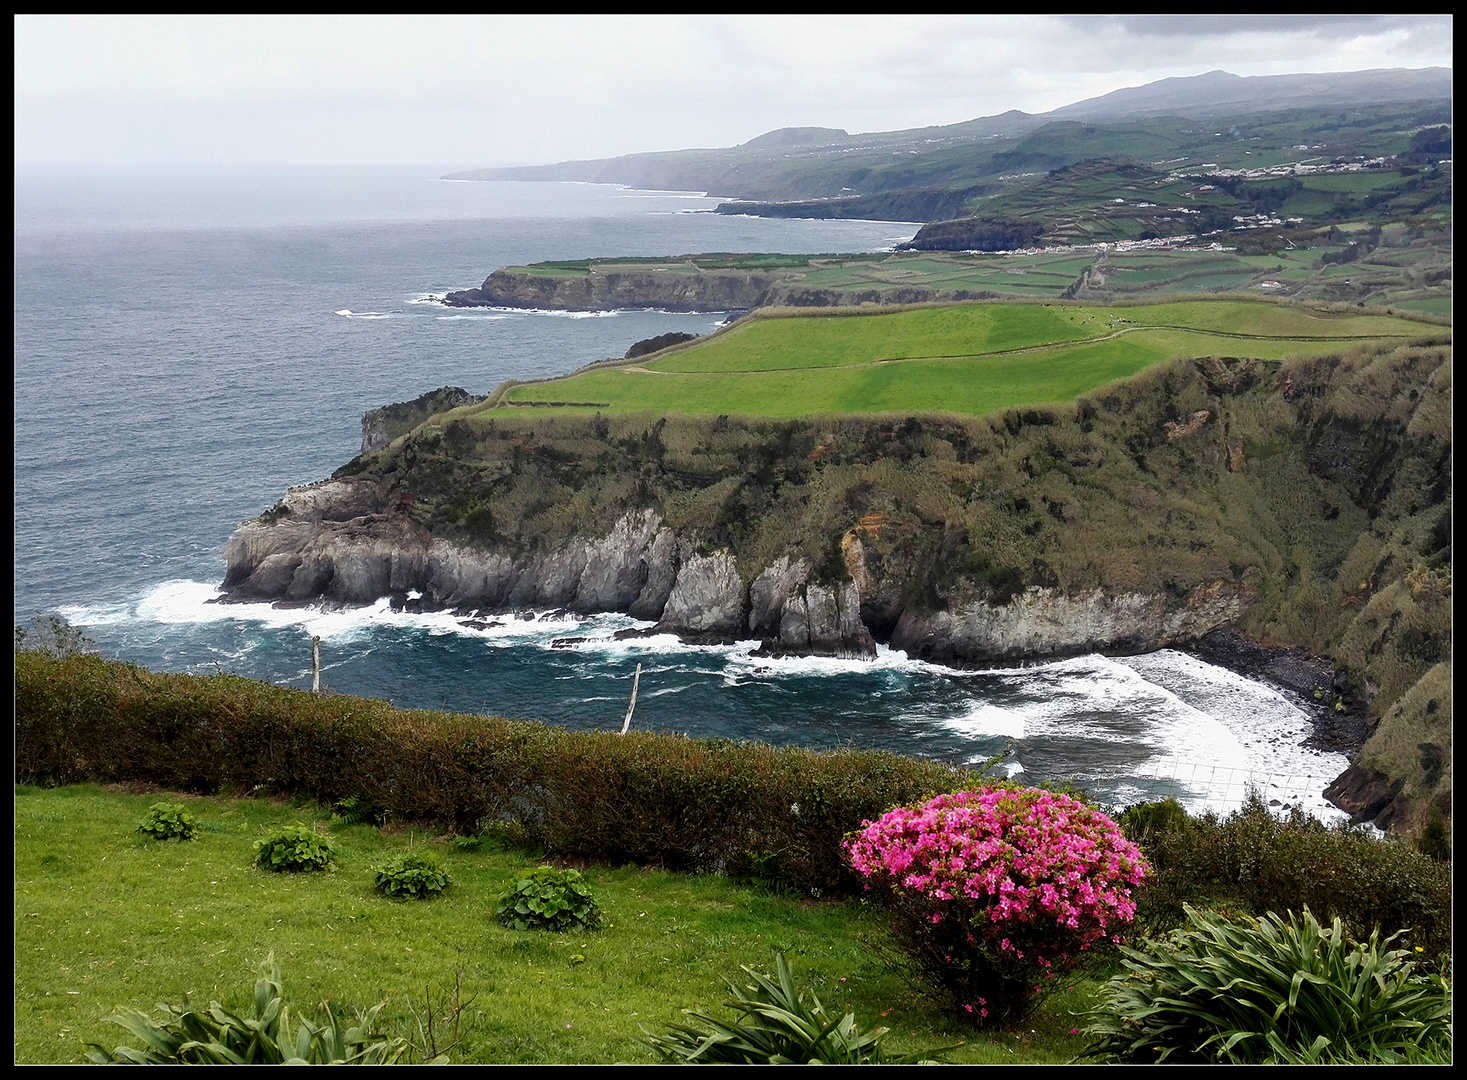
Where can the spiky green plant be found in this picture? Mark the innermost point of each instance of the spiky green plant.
(775, 1027)
(216, 1036)
(1270, 989)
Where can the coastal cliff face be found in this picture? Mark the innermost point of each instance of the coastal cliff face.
(1306, 504)
(689, 288)
(671, 288)
(381, 426)
(341, 540)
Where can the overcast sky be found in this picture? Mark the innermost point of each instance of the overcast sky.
(496, 90)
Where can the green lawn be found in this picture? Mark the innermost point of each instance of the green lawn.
(105, 918)
(972, 358)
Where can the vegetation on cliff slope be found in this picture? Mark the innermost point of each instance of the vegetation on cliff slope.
(1320, 484)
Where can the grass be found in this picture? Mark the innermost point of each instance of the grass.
(969, 359)
(105, 918)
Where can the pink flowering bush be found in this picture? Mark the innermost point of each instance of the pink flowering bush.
(994, 892)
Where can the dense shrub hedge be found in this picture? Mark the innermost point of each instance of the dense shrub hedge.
(1259, 862)
(686, 804)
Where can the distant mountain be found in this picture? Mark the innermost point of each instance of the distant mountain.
(783, 138)
(1203, 97)
(920, 174)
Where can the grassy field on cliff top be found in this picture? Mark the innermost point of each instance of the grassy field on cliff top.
(964, 358)
(106, 918)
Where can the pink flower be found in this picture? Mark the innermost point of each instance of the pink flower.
(1039, 876)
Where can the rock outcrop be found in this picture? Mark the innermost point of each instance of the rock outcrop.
(343, 541)
(669, 288)
(1040, 623)
(686, 288)
(381, 426)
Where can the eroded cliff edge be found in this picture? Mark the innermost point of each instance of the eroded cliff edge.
(1305, 504)
(683, 287)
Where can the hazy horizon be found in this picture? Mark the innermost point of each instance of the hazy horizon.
(481, 91)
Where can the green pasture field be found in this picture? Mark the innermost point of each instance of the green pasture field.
(543, 270)
(1216, 282)
(1434, 305)
(1362, 181)
(1046, 276)
(968, 358)
(821, 340)
(106, 918)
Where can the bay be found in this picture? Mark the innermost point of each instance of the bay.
(191, 343)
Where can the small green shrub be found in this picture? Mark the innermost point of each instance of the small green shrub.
(355, 810)
(52, 635)
(1435, 841)
(775, 1027)
(216, 1036)
(169, 821)
(296, 847)
(503, 835)
(1271, 989)
(549, 899)
(416, 875)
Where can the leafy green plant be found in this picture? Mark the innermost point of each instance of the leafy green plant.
(1269, 989)
(775, 1027)
(169, 821)
(416, 875)
(216, 1036)
(549, 899)
(296, 847)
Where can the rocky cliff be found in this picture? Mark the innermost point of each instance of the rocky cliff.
(685, 288)
(1304, 504)
(345, 540)
(381, 426)
(670, 288)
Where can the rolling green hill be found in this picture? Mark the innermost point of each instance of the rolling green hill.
(970, 359)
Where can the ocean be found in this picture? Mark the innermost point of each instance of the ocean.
(189, 343)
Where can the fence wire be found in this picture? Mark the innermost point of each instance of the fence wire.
(1202, 786)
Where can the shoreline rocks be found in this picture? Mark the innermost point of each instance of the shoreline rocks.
(344, 541)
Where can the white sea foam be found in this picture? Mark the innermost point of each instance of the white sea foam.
(985, 721)
(660, 195)
(347, 313)
(1268, 728)
(1212, 732)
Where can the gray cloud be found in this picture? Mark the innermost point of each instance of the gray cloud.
(1321, 26)
(500, 89)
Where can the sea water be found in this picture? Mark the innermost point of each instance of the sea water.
(191, 343)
